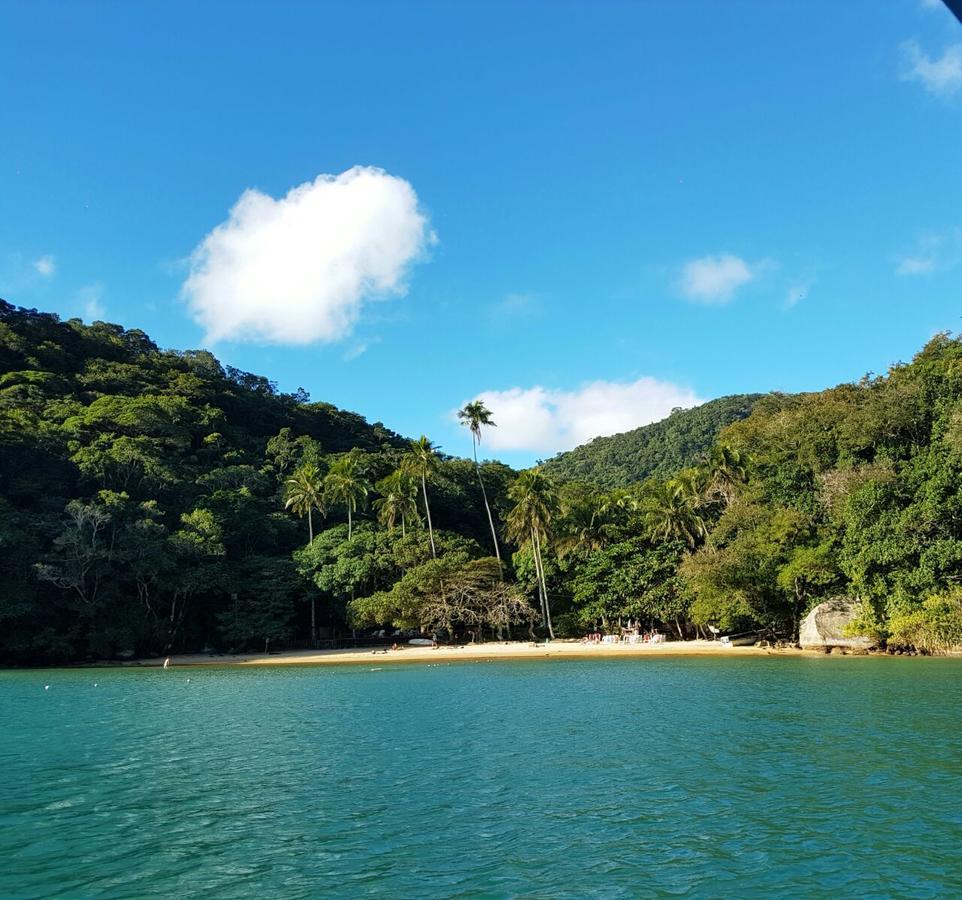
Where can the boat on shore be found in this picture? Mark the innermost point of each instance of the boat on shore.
(745, 639)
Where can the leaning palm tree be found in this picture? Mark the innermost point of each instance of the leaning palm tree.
(670, 512)
(397, 501)
(529, 524)
(302, 494)
(475, 416)
(421, 461)
(346, 484)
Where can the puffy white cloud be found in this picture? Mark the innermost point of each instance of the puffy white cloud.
(935, 253)
(298, 269)
(941, 76)
(714, 279)
(543, 420)
(45, 266)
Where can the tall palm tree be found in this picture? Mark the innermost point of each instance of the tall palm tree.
(671, 512)
(476, 416)
(302, 494)
(421, 461)
(398, 500)
(529, 524)
(345, 483)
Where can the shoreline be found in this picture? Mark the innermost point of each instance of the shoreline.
(490, 651)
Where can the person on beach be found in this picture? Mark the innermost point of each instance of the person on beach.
(167, 662)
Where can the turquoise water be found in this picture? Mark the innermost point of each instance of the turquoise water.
(626, 778)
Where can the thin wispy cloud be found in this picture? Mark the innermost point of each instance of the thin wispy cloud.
(934, 252)
(90, 299)
(298, 270)
(715, 279)
(515, 307)
(797, 292)
(544, 420)
(359, 348)
(45, 266)
(939, 75)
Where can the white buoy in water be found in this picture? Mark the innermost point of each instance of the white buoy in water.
(46, 687)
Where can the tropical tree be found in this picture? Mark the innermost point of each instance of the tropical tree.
(726, 468)
(303, 494)
(421, 461)
(529, 524)
(346, 484)
(475, 415)
(397, 501)
(670, 511)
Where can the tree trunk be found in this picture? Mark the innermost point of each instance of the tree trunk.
(313, 625)
(484, 494)
(310, 527)
(349, 522)
(427, 510)
(544, 585)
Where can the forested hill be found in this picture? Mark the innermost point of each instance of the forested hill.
(153, 501)
(101, 375)
(656, 450)
(133, 479)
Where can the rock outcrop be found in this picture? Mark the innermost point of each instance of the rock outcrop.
(824, 627)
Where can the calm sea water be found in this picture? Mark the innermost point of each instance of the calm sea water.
(625, 778)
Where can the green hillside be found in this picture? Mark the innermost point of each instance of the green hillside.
(154, 501)
(655, 450)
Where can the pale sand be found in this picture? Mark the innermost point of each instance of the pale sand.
(471, 652)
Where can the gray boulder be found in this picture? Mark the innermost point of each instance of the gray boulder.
(824, 627)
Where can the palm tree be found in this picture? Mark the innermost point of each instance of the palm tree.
(529, 524)
(583, 524)
(398, 492)
(302, 494)
(671, 513)
(421, 461)
(346, 483)
(726, 467)
(476, 415)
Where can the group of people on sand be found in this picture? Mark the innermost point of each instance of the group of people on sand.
(631, 635)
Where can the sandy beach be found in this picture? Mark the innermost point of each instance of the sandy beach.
(468, 653)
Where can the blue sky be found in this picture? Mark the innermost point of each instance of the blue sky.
(586, 213)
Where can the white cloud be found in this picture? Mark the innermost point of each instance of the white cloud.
(542, 420)
(714, 279)
(515, 307)
(298, 269)
(90, 298)
(45, 266)
(359, 348)
(935, 252)
(797, 292)
(941, 76)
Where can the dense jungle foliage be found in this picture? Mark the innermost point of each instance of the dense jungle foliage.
(652, 451)
(153, 501)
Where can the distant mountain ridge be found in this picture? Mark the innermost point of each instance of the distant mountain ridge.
(655, 450)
